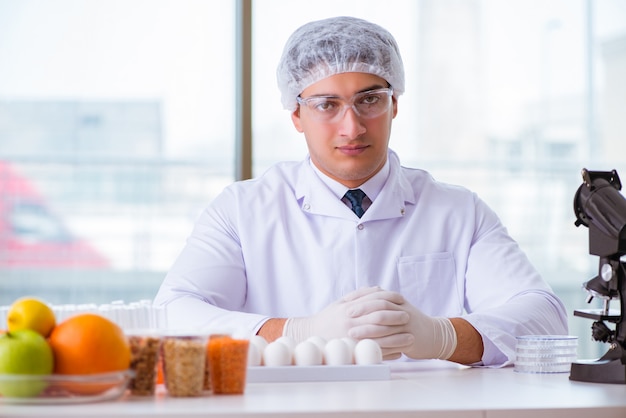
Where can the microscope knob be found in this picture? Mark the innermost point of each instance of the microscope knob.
(606, 272)
(600, 332)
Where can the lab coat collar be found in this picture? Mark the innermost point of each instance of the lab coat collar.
(315, 196)
(371, 187)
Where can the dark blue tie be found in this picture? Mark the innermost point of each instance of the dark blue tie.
(356, 198)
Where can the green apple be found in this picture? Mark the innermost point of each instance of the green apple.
(24, 352)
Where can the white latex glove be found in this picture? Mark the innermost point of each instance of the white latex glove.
(421, 337)
(358, 308)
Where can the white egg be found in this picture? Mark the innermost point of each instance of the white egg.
(320, 342)
(289, 342)
(255, 355)
(307, 354)
(276, 354)
(337, 352)
(367, 352)
(259, 342)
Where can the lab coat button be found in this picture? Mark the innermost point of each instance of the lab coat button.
(360, 226)
(306, 206)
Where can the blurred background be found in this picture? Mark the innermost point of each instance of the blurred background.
(118, 121)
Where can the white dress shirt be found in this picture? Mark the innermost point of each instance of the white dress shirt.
(285, 245)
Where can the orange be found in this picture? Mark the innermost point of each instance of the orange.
(88, 344)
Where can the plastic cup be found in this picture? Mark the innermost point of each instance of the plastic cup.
(184, 358)
(144, 346)
(227, 362)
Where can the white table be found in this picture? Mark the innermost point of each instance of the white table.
(428, 389)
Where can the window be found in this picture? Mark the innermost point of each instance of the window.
(116, 129)
(508, 98)
(117, 125)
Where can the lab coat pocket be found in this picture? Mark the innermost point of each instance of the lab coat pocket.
(428, 282)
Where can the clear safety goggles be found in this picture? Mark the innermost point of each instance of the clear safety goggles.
(367, 105)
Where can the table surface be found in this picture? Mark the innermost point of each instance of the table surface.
(422, 389)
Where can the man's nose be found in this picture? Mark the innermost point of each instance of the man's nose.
(350, 124)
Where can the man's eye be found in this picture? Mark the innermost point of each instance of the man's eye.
(370, 99)
(325, 106)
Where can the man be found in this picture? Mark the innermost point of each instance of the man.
(426, 269)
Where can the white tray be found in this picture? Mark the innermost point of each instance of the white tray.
(263, 374)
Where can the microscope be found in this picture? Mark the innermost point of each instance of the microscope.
(599, 205)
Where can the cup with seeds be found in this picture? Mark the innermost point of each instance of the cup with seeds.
(184, 358)
(144, 347)
(227, 363)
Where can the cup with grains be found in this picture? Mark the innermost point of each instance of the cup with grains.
(184, 362)
(145, 347)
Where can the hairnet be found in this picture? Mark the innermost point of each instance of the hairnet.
(323, 48)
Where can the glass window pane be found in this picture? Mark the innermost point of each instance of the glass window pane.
(116, 128)
(509, 99)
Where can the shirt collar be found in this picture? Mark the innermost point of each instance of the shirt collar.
(372, 187)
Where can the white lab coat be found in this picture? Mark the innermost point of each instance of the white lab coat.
(283, 245)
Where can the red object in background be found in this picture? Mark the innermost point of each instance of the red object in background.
(31, 236)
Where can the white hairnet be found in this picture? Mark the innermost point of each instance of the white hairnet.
(323, 48)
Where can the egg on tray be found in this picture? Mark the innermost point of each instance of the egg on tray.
(308, 354)
(314, 351)
(277, 354)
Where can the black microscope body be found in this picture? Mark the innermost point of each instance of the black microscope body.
(599, 205)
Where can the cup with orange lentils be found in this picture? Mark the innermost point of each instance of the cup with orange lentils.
(226, 364)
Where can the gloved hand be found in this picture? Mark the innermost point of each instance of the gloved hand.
(421, 337)
(358, 308)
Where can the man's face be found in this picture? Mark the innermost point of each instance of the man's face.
(350, 149)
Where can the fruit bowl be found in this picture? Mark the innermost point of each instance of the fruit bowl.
(62, 389)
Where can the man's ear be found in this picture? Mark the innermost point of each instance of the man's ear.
(295, 118)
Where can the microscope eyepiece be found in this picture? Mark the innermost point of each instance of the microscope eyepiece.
(599, 205)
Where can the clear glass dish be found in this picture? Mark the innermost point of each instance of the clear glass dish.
(538, 341)
(62, 389)
(545, 353)
(539, 367)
